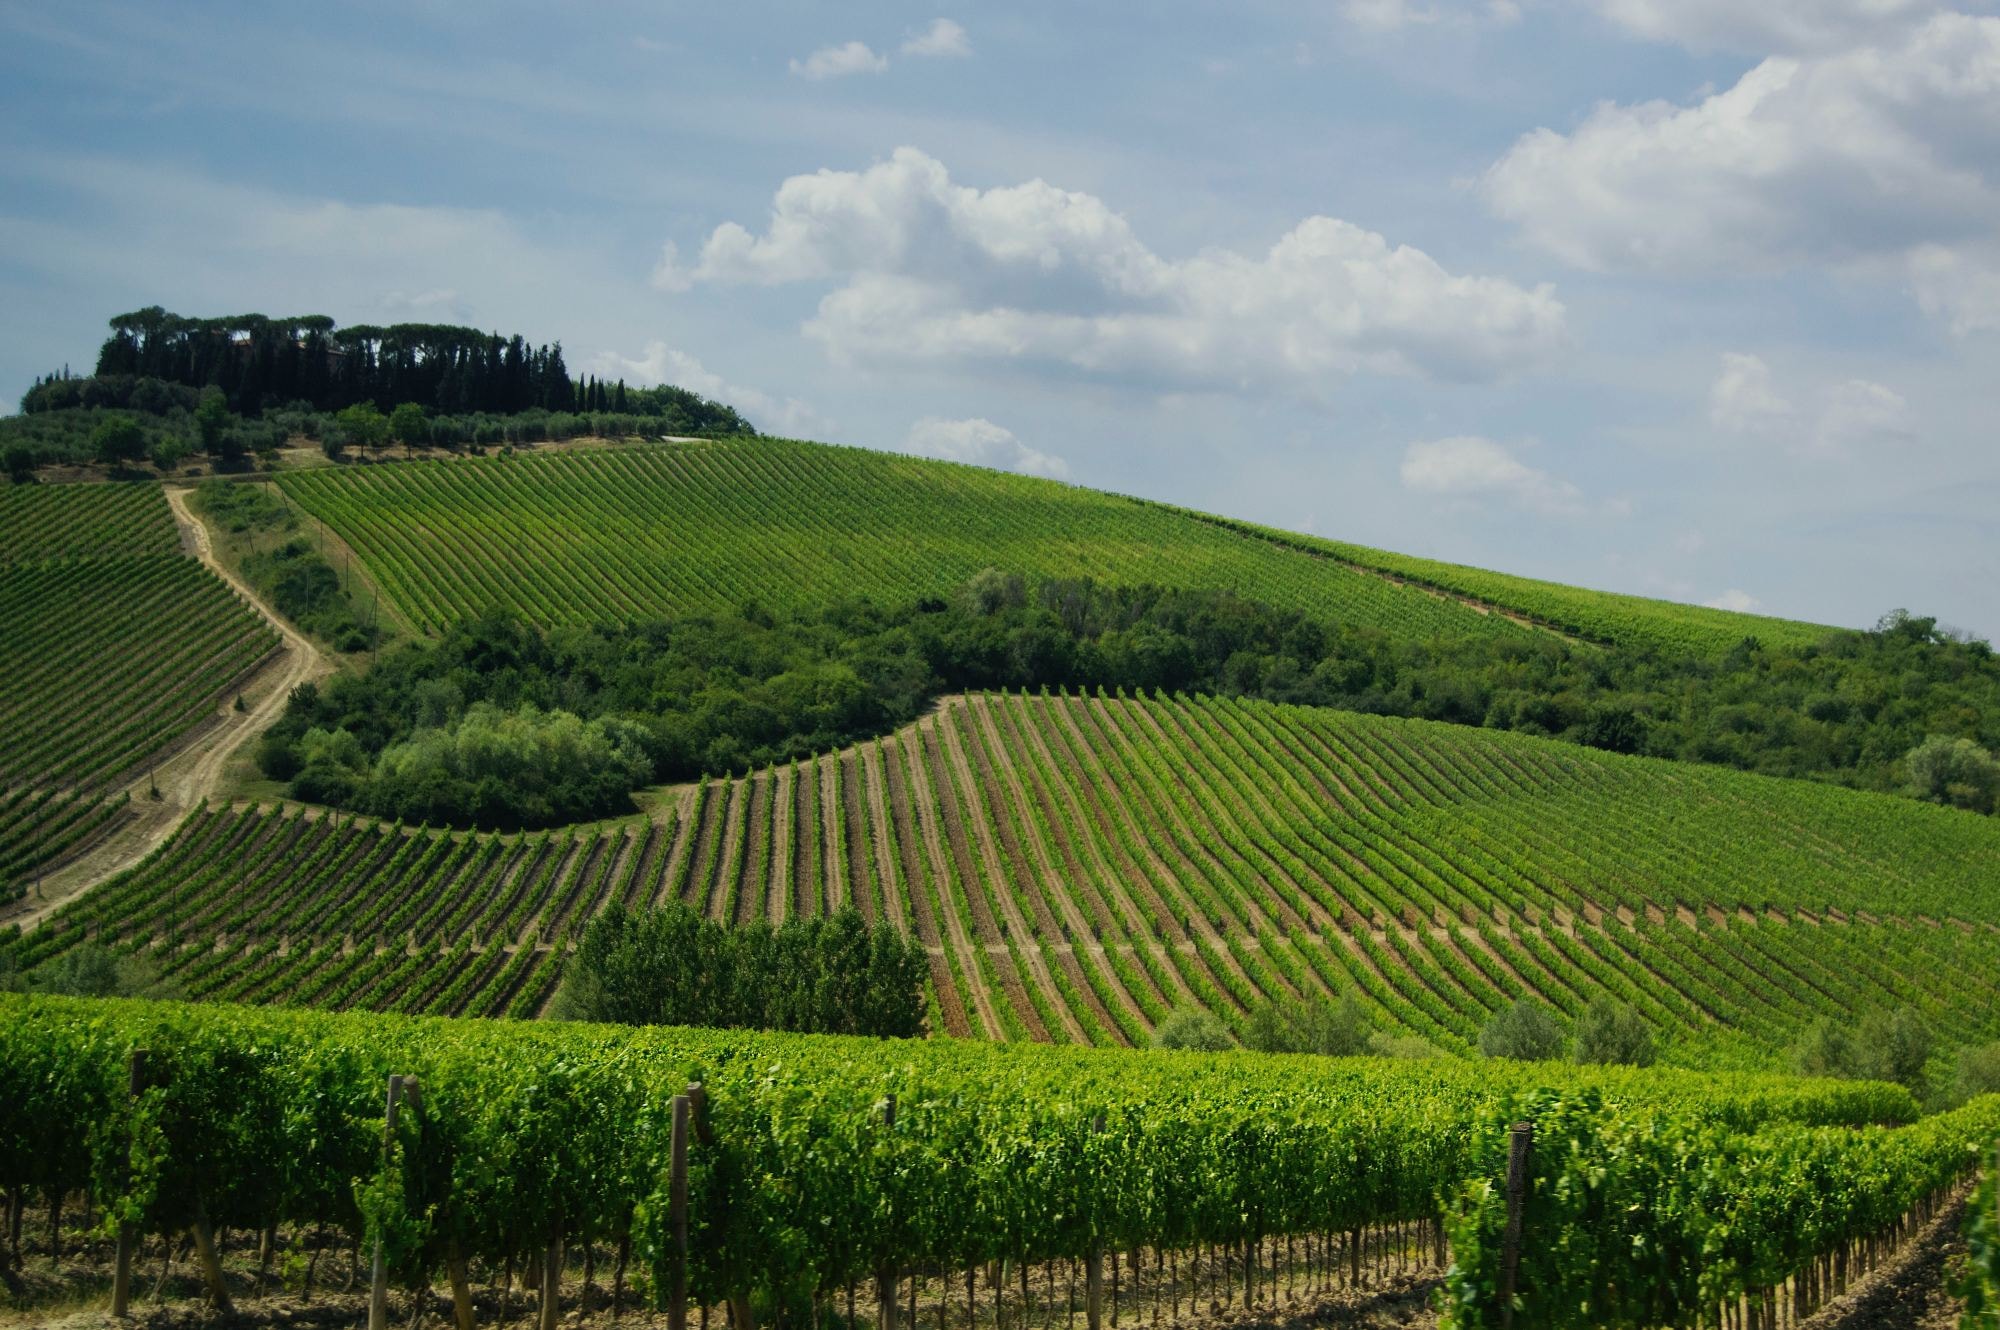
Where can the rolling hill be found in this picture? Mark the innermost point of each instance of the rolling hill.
(1080, 866)
(582, 536)
(116, 647)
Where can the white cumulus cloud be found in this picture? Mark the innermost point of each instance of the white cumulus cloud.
(1880, 157)
(832, 62)
(1860, 411)
(928, 270)
(1765, 26)
(1742, 602)
(942, 38)
(1745, 399)
(980, 442)
(660, 363)
(1467, 466)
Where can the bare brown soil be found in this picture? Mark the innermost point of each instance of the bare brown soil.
(1909, 1292)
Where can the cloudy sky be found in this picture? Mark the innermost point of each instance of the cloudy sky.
(1692, 298)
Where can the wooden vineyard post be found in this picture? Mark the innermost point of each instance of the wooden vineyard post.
(128, 1238)
(547, 1314)
(677, 1215)
(1093, 1267)
(210, 1258)
(1520, 1138)
(378, 1285)
(885, 1276)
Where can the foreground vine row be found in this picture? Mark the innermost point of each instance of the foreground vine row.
(820, 1163)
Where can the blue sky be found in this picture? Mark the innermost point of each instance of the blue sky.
(1689, 298)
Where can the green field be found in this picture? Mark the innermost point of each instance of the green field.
(1599, 616)
(116, 646)
(610, 535)
(1080, 867)
(819, 1164)
(582, 537)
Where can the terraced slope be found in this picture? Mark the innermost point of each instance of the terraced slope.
(664, 529)
(1080, 866)
(591, 536)
(114, 646)
(1600, 616)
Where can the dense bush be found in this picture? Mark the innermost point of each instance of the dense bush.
(1882, 1046)
(1304, 1025)
(91, 970)
(1525, 1032)
(1195, 1029)
(830, 974)
(727, 693)
(1613, 1033)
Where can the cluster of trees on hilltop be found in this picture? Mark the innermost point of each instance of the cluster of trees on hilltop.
(261, 362)
(167, 386)
(723, 694)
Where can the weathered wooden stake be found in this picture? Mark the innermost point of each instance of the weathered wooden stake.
(128, 1238)
(677, 1204)
(461, 1288)
(551, 1304)
(211, 1261)
(378, 1286)
(1520, 1139)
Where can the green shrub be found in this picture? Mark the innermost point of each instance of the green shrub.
(1612, 1032)
(1200, 1031)
(1302, 1025)
(1525, 1032)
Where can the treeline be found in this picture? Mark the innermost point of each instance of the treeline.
(261, 363)
(829, 974)
(167, 387)
(448, 732)
(134, 422)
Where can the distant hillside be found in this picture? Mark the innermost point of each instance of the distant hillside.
(113, 645)
(1080, 867)
(577, 537)
(1601, 616)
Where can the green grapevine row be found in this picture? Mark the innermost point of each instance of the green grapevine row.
(612, 535)
(1640, 1216)
(1601, 616)
(112, 659)
(531, 1135)
(40, 826)
(43, 522)
(1079, 867)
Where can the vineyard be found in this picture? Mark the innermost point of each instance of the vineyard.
(118, 646)
(613, 535)
(1601, 616)
(817, 1164)
(41, 523)
(664, 530)
(1079, 867)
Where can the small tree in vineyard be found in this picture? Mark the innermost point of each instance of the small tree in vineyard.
(1525, 1032)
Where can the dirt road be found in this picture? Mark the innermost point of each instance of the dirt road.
(193, 771)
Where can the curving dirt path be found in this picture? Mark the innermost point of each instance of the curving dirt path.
(194, 770)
